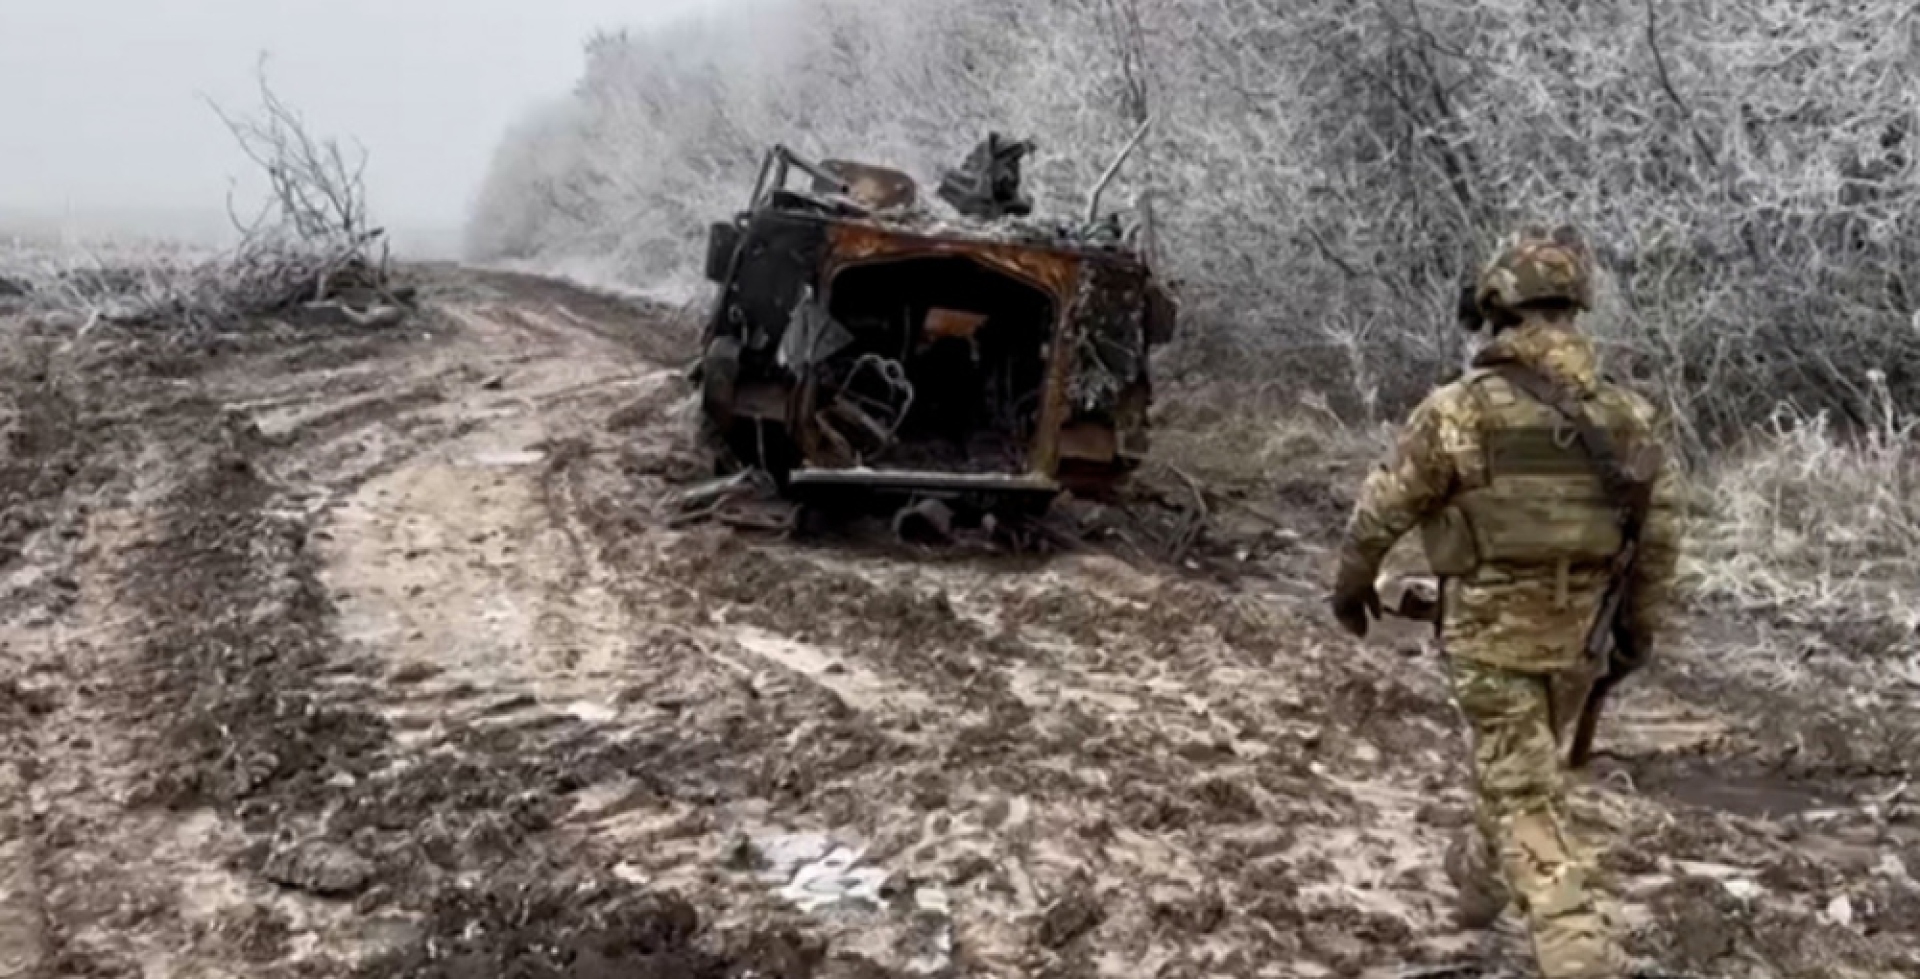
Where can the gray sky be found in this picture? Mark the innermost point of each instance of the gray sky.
(101, 109)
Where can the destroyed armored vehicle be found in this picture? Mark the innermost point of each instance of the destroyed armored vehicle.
(860, 340)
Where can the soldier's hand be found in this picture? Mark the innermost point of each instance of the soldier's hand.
(1467, 309)
(1355, 601)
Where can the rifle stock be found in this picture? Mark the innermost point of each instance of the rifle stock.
(1582, 751)
(1605, 642)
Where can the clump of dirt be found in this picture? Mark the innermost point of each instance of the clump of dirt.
(1073, 915)
(317, 867)
(258, 935)
(20, 705)
(1699, 927)
(1227, 801)
(1200, 914)
(554, 923)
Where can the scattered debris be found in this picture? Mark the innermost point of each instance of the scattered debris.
(1840, 911)
(703, 494)
(746, 500)
(929, 941)
(836, 882)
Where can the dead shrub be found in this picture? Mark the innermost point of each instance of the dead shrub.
(311, 248)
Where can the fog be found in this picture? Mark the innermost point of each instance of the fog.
(104, 125)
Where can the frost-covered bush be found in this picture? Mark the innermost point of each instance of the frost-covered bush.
(1321, 172)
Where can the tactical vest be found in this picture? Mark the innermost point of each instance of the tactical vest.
(1538, 502)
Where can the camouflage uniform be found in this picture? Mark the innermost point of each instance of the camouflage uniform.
(1515, 630)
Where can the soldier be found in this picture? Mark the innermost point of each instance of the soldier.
(1526, 533)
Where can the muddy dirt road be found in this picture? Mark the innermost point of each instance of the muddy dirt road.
(333, 653)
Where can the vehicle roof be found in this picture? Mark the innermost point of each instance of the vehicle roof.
(921, 221)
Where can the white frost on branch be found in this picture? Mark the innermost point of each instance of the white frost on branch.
(1321, 173)
(310, 247)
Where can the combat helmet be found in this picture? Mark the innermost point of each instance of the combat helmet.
(1536, 265)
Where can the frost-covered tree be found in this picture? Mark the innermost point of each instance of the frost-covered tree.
(1321, 174)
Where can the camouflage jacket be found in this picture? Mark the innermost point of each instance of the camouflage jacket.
(1532, 618)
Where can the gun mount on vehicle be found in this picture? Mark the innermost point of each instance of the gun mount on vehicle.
(861, 340)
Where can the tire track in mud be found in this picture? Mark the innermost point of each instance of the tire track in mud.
(118, 872)
(238, 726)
(35, 469)
(74, 769)
(416, 678)
(547, 745)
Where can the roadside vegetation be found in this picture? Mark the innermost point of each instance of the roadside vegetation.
(309, 251)
(1317, 179)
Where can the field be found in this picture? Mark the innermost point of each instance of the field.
(381, 652)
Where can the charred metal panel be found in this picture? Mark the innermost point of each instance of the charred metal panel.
(779, 261)
(987, 185)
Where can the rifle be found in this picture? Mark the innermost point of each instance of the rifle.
(1609, 640)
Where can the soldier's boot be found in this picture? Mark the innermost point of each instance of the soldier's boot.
(1572, 938)
(1483, 895)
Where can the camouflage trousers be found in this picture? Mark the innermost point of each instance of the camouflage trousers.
(1519, 723)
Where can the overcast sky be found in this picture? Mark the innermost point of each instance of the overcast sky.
(102, 111)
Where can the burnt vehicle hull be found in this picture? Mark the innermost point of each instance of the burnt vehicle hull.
(892, 352)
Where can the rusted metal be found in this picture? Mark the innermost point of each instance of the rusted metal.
(1089, 443)
(861, 242)
(867, 342)
(952, 323)
(877, 188)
